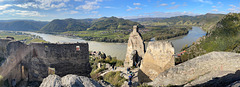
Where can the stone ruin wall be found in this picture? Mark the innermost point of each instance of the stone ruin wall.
(33, 61)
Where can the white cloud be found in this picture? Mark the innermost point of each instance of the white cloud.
(162, 14)
(205, 1)
(26, 5)
(130, 8)
(58, 6)
(213, 6)
(173, 3)
(234, 9)
(1, 0)
(22, 13)
(73, 12)
(215, 10)
(164, 4)
(30, 13)
(233, 6)
(174, 7)
(136, 3)
(44, 4)
(62, 9)
(90, 5)
(3, 7)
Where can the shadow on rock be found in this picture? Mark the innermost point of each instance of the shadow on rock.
(221, 81)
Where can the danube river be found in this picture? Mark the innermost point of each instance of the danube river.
(119, 49)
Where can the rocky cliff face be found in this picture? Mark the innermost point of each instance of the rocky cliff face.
(69, 81)
(213, 69)
(135, 43)
(157, 58)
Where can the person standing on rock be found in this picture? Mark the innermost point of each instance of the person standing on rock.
(130, 77)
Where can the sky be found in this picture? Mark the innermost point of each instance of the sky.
(47, 10)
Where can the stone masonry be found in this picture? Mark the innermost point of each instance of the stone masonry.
(33, 62)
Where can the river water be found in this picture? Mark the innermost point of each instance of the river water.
(119, 49)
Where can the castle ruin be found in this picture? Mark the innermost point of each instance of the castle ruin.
(135, 49)
(36, 61)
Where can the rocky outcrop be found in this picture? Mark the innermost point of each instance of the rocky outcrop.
(213, 69)
(69, 81)
(135, 43)
(158, 57)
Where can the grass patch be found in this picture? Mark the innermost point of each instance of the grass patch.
(114, 78)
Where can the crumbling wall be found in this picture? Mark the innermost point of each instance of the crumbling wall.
(64, 58)
(32, 61)
(3, 49)
(11, 68)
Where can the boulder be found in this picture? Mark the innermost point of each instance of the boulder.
(213, 69)
(135, 43)
(158, 57)
(69, 81)
(51, 81)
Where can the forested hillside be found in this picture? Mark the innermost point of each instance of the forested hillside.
(223, 37)
(21, 25)
(205, 21)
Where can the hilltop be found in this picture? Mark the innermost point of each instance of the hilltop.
(104, 23)
(113, 23)
(58, 25)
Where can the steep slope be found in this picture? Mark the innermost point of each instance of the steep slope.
(22, 25)
(223, 37)
(113, 23)
(67, 25)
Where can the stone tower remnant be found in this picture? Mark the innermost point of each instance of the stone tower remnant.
(135, 48)
(158, 58)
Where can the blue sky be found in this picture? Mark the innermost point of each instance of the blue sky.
(47, 10)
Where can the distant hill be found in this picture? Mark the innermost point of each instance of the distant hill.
(21, 25)
(58, 25)
(112, 23)
(103, 23)
(205, 21)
